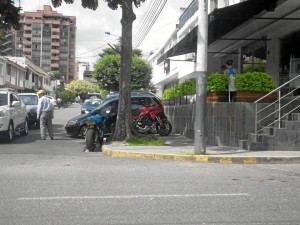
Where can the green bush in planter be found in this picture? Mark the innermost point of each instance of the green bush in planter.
(254, 81)
(168, 94)
(217, 82)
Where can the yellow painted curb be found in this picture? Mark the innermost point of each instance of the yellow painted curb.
(194, 158)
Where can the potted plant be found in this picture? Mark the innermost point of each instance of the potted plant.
(217, 90)
(252, 85)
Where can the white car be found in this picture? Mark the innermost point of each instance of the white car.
(52, 100)
(13, 116)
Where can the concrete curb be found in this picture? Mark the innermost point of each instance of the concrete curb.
(202, 158)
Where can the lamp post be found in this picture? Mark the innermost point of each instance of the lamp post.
(120, 38)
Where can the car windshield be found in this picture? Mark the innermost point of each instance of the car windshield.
(3, 99)
(29, 99)
(91, 102)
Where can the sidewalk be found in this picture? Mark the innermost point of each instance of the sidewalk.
(181, 148)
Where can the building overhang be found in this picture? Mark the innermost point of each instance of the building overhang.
(231, 27)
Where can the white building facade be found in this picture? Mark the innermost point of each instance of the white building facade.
(253, 33)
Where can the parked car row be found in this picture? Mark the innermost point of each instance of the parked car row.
(17, 112)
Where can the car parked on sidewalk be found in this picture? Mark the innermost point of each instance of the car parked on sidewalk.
(30, 100)
(76, 126)
(13, 115)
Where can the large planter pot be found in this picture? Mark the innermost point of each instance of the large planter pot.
(252, 96)
(217, 96)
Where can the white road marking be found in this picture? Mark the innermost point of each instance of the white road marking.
(131, 196)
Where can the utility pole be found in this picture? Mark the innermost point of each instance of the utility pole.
(201, 77)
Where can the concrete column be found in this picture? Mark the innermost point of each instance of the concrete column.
(273, 59)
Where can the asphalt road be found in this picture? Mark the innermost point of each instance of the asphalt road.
(56, 182)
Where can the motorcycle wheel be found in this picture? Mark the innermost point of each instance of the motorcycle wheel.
(90, 139)
(165, 129)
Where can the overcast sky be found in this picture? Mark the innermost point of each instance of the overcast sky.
(92, 25)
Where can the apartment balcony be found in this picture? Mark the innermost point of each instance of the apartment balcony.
(55, 29)
(188, 13)
(27, 49)
(28, 35)
(55, 21)
(7, 43)
(8, 35)
(29, 28)
(54, 65)
(55, 58)
(55, 51)
(57, 44)
(27, 42)
(55, 36)
(6, 50)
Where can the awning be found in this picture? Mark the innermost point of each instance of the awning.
(221, 21)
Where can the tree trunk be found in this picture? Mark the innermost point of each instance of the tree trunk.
(124, 118)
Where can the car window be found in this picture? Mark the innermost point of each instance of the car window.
(111, 107)
(3, 99)
(29, 99)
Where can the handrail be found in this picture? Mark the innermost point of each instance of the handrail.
(258, 122)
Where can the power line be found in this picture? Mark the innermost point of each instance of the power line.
(150, 11)
(97, 48)
(149, 26)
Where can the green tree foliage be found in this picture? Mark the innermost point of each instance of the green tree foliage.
(9, 16)
(55, 75)
(66, 96)
(82, 87)
(107, 71)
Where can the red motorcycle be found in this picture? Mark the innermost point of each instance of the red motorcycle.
(151, 120)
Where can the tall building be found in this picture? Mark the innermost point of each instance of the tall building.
(47, 38)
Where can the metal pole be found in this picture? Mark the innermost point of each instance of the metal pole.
(201, 77)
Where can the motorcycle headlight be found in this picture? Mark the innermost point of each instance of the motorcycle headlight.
(72, 123)
(86, 111)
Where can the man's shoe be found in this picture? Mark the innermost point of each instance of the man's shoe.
(43, 138)
(52, 138)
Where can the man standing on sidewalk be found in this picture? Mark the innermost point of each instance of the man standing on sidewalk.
(45, 114)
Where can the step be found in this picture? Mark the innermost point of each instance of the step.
(253, 145)
(295, 116)
(292, 125)
(257, 146)
(243, 144)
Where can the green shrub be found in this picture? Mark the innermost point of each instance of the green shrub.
(217, 82)
(179, 90)
(168, 94)
(189, 87)
(254, 81)
(67, 96)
